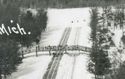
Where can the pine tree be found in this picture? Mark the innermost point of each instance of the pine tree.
(9, 56)
(34, 24)
(99, 62)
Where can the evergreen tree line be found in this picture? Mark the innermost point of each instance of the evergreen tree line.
(63, 3)
(9, 45)
(101, 38)
(118, 17)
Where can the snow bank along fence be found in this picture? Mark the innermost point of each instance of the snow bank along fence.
(51, 49)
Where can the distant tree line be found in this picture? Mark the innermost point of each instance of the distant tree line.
(63, 3)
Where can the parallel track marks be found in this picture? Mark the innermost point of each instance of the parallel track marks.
(54, 64)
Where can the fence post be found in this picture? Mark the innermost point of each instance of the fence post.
(49, 50)
(22, 54)
(36, 51)
(38, 47)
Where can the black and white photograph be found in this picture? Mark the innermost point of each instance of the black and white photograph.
(62, 39)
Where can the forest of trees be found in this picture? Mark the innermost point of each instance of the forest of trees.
(63, 3)
(10, 56)
(99, 63)
(102, 25)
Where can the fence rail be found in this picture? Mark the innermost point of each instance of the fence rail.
(56, 48)
(67, 48)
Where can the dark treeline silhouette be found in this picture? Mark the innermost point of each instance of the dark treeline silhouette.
(63, 3)
(9, 45)
(103, 24)
(99, 63)
(117, 17)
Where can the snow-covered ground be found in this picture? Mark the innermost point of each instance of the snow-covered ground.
(61, 18)
(75, 67)
(70, 67)
(32, 68)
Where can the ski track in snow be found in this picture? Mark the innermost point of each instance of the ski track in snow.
(65, 70)
(35, 67)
